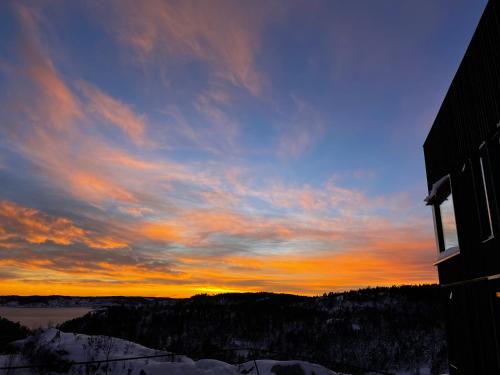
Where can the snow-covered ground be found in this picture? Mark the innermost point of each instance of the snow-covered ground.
(63, 348)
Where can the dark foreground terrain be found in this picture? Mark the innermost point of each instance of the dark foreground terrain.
(10, 331)
(398, 329)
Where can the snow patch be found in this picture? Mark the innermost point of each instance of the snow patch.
(65, 348)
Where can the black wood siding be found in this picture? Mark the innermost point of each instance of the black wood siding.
(470, 110)
(469, 117)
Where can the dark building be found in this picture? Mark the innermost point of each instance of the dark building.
(462, 157)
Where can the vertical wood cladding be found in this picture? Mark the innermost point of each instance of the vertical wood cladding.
(470, 111)
(467, 118)
(464, 143)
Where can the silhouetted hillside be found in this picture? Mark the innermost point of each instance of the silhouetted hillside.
(392, 329)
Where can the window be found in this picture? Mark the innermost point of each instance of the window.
(448, 224)
(484, 194)
(441, 198)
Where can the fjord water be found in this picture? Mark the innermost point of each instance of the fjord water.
(36, 317)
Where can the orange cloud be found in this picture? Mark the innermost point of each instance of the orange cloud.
(161, 232)
(59, 105)
(226, 36)
(199, 226)
(93, 187)
(115, 112)
(54, 129)
(34, 227)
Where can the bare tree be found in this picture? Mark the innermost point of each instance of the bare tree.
(91, 349)
(108, 348)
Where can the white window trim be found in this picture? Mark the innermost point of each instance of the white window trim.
(447, 254)
(486, 197)
(451, 251)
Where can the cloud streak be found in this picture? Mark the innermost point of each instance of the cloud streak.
(114, 112)
(223, 34)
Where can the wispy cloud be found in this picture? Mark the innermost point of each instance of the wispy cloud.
(52, 98)
(223, 34)
(302, 129)
(50, 125)
(114, 112)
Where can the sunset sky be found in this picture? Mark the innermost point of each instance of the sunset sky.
(182, 147)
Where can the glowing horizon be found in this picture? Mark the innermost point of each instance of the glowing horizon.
(169, 148)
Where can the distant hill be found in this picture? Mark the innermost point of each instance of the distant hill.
(397, 329)
(67, 301)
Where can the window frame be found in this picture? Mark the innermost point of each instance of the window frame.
(484, 194)
(435, 201)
